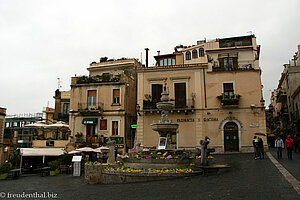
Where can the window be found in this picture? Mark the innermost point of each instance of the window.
(173, 61)
(167, 62)
(228, 63)
(228, 90)
(114, 128)
(103, 124)
(92, 98)
(195, 53)
(116, 96)
(161, 62)
(7, 124)
(188, 55)
(66, 108)
(156, 94)
(15, 124)
(201, 52)
(180, 95)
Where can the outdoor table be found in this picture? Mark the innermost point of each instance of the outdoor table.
(44, 171)
(15, 173)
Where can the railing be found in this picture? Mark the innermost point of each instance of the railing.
(229, 99)
(85, 107)
(244, 67)
(98, 79)
(187, 104)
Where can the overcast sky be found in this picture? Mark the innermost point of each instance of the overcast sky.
(42, 40)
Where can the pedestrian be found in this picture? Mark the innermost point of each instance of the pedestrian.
(289, 146)
(279, 145)
(255, 146)
(295, 140)
(261, 148)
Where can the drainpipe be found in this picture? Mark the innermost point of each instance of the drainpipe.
(204, 83)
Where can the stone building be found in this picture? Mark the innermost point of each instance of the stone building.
(102, 105)
(3, 148)
(216, 89)
(285, 99)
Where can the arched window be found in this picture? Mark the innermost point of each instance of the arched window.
(188, 55)
(194, 53)
(201, 52)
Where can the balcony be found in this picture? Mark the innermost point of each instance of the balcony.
(241, 67)
(85, 107)
(281, 96)
(97, 79)
(189, 104)
(229, 100)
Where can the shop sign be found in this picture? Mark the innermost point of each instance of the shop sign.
(186, 120)
(210, 119)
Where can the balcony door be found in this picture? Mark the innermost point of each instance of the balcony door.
(231, 137)
(157, 89)
(91, 100)
(228, 90)
(180, 95)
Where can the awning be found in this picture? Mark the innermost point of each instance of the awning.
(89, 121)
(41, 151)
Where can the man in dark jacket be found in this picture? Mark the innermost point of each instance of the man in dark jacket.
(261, 148)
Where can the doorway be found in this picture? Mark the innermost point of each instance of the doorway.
(231, 137)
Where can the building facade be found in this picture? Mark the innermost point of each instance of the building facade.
(209, 86)
(18, 135)
(3, 148)
(285, 100)
(102, 105)
(62, 105)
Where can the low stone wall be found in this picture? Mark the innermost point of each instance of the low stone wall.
(96, 174)
(93, 173)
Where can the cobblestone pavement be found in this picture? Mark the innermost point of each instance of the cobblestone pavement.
(293, 166)
(246, 179)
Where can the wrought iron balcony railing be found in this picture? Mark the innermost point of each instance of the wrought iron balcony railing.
(229, 99)
(85, 107)
(178, 105)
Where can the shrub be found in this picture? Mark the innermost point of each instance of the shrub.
(4, 168)
(54, 164)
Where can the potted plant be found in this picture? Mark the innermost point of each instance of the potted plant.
(4, 169)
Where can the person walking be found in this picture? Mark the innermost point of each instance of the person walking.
(289, 146)
(261, 148)
(279, 145)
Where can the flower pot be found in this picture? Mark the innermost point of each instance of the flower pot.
(3, 176)
(52, 173)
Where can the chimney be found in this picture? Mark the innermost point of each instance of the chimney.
(158, 53)
(146, 56)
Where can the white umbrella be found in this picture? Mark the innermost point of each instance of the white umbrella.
(85, 149)
(40, 124)
(74, 152)
(58, 125)
(101, 149)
